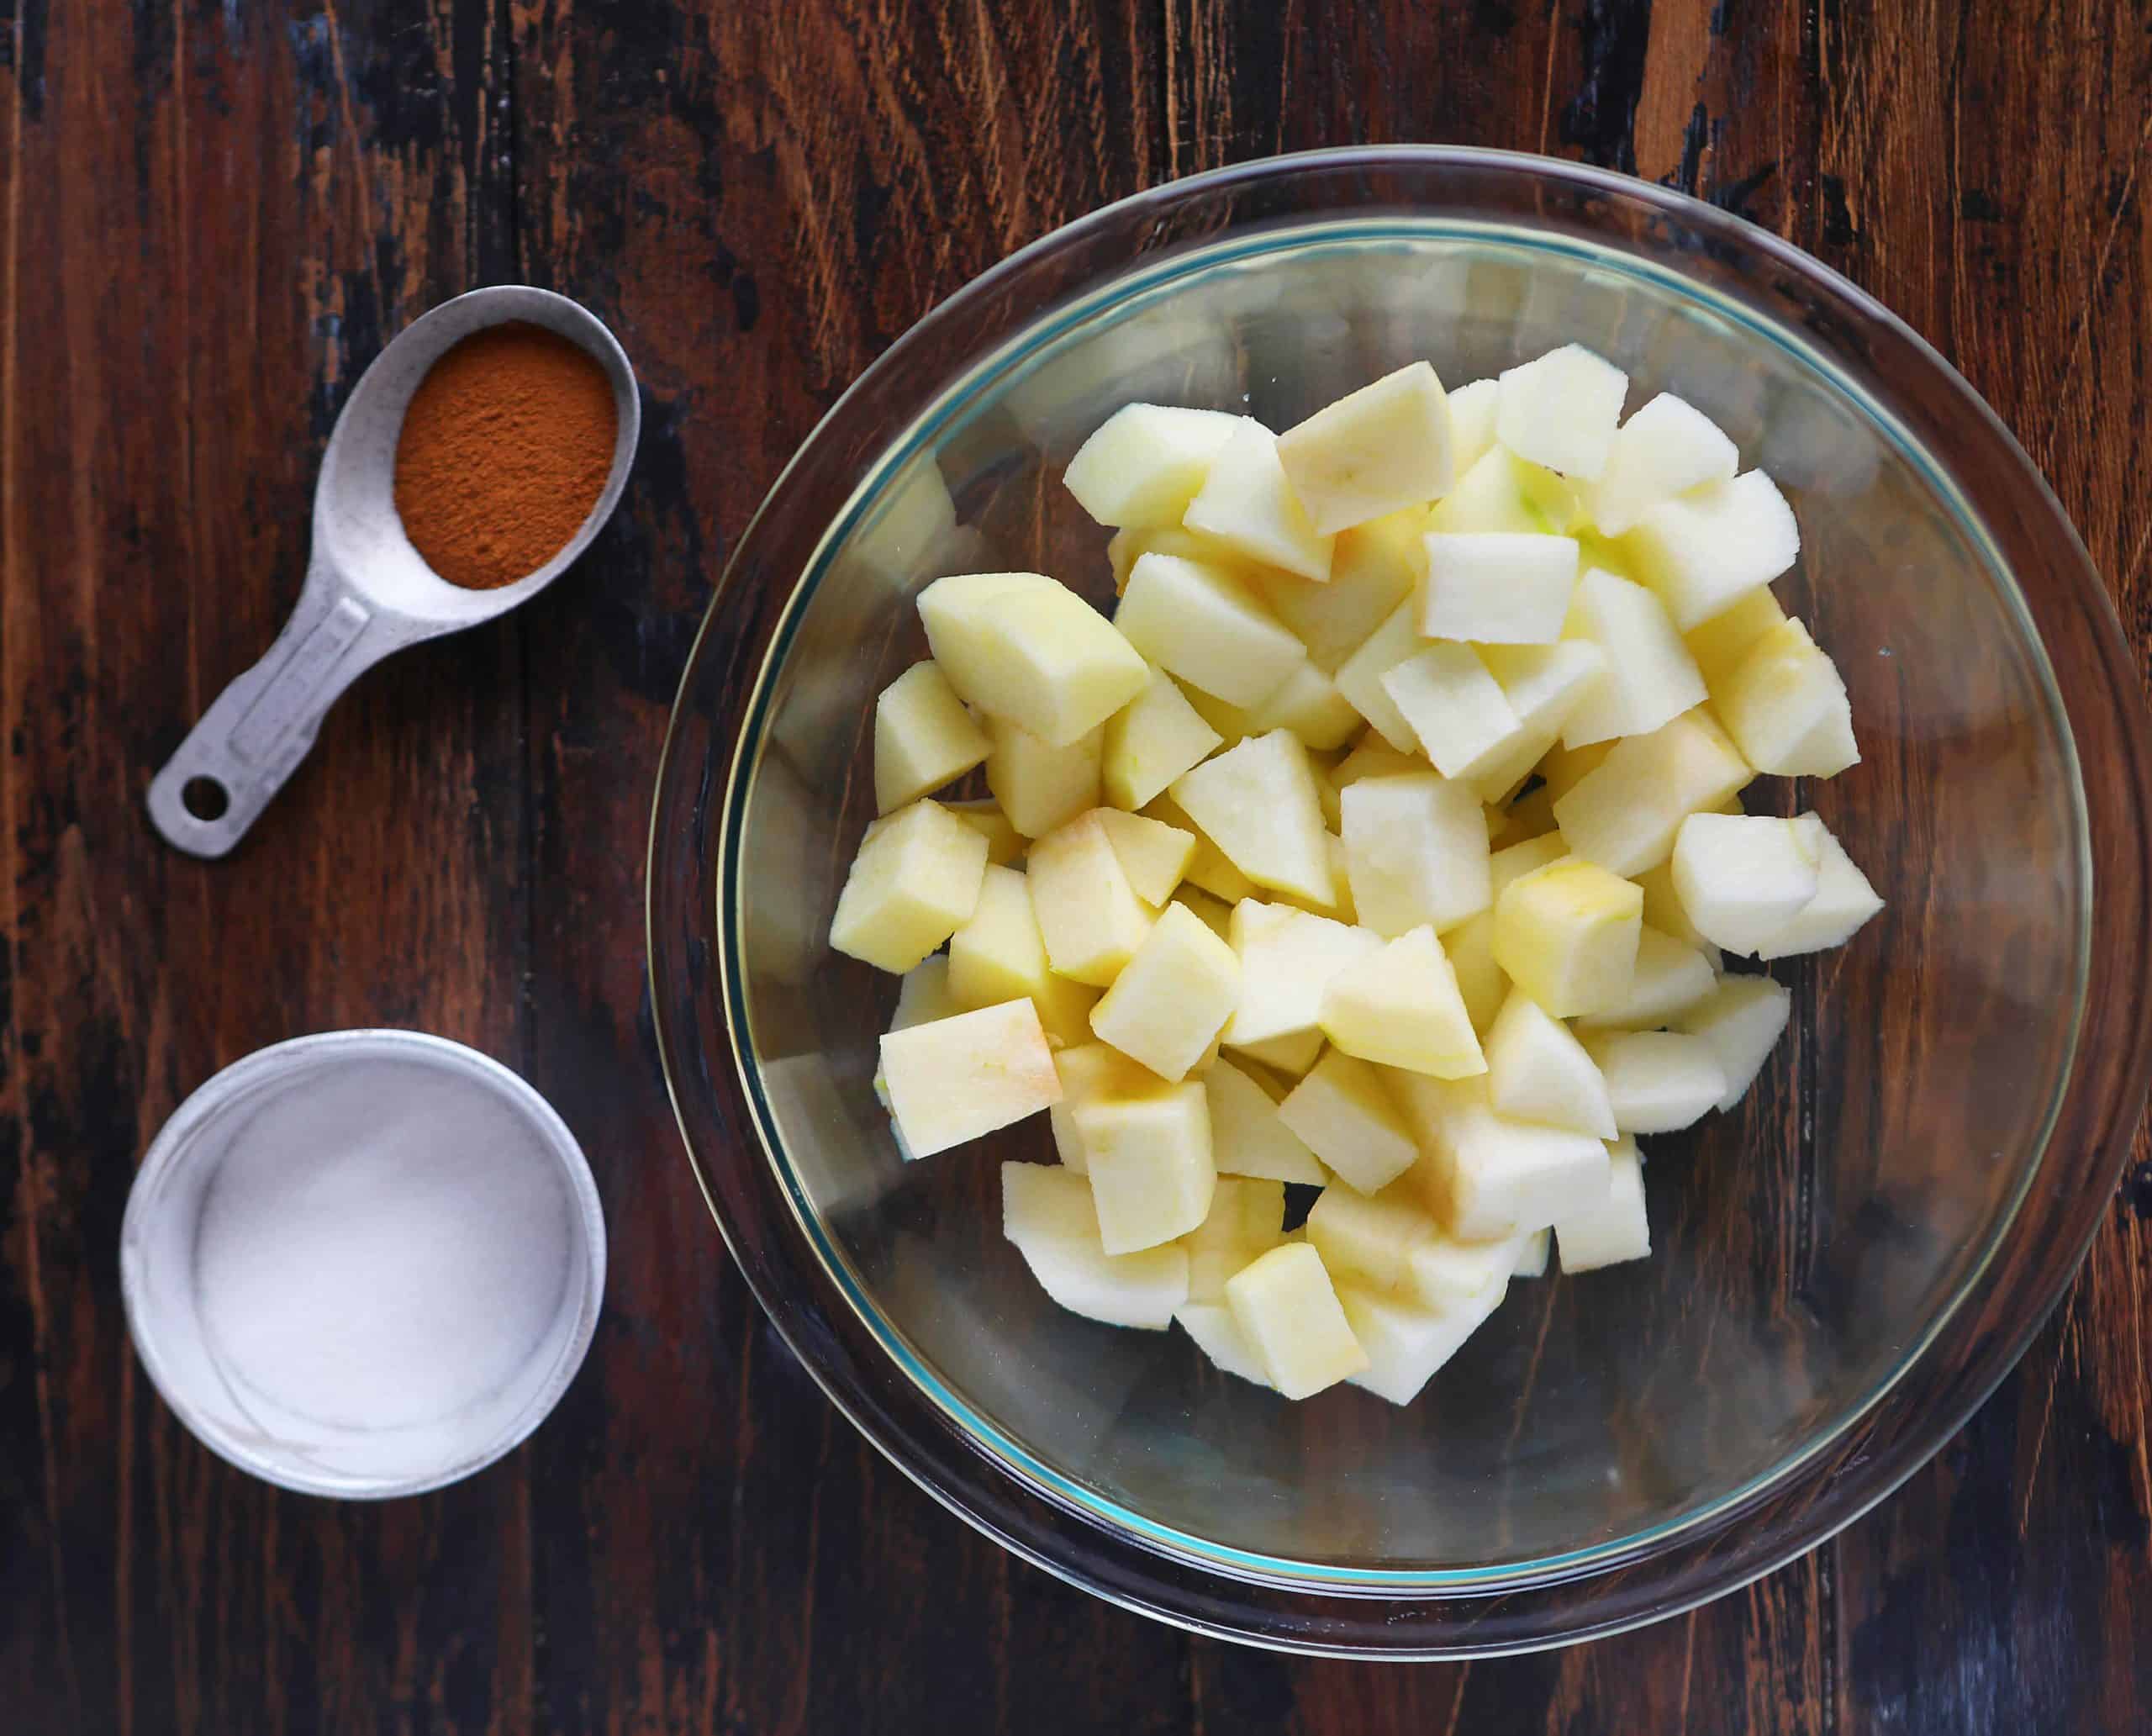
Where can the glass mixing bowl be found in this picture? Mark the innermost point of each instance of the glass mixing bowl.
(1844, 1266)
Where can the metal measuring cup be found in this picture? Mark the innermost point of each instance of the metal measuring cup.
(368, 592)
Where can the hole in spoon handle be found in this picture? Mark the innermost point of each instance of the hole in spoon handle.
(258, 728)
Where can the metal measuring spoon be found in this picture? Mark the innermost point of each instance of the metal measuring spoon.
(368, 591)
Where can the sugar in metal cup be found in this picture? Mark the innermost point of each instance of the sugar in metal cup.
(364, 1264)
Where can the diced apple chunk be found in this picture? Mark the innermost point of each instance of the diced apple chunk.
(1407, 1343)
(1288, 1313)
(1218, 1335)
(1148, 1160)
(923, 737)
(1665, 449)
(1004, 842)
(1416, 852)
(1443, 1271)
(1047, 1213)
(1248, 1137)
(1567, 936)
(1537, 1071)
(1503, 493)
(1843, 900)
(1718, 645)
(999, 955)
(1258, 802)
(1701, 550)
(1206, 625)
(1246, 1219)
(1658, 1081)
(1565, 767)
(1039, 786)
(1513, 862)
(1744, 878)
(1481, 983)
(924, 994)
(1402, 1007)
(1741, 1019)
(1125, 548)
(953, 1079)
(913, 885)
(1614, 1229)
(1487, 1176)
(1376, 450)
(1543, 685)
(1151, 741)
(1025, 647)
(1561, 409)
(1471, 422)
(1091, 918)
(1208, 869)
(1664, 911)
(1375, 568)
(1650, 678)
(1309, 705)
(1360, 678)
(1457, 710)
(1498, 588)
(1146, 462)
(1173, 998)
(1532, 1260)
(1786, 707)
(1624, 814)
(1153, 855)
(1345, 1115)
(1246, 504)
(1368, 1239)
(1089, 1071)
(1671, 976)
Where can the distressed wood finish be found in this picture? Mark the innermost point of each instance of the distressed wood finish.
(210, 219)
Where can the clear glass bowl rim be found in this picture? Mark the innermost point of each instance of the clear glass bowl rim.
(1440, 1614)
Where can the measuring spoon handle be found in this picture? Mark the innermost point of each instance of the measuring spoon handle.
(259, 727)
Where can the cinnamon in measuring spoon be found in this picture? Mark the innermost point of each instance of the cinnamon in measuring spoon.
(505, 448)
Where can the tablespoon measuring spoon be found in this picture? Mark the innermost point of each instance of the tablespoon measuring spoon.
(368, 592)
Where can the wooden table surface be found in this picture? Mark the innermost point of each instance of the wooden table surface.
(214, 214)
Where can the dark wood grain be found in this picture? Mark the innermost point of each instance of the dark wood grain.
(211, 217)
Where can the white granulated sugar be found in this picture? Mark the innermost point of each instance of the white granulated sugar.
(382, 1246)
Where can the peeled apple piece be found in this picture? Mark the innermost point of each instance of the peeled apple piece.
(1497, 588)
(1376, 450)
(1624, 814)
(913, 885)
(1047, 1213)
(1471, 422)
(1258, 804)
(1416, 852)
(1658, 1081)
(1346, 1116)
(1173, 997)
(1567, 934)
(924, 994)
(1614, 1229)
(1543, 685)
(1786, 705)
(1207, 626)
(1537, 1071)
(1407, 1343)
(1666, 448)
(1153, 855)
(1218, 1335)
(1148, 1161)
(1670, 978)
(1368, 1239)
(1088, 1071)
(1505, 493)
(1457, 710)
(1532, 1260)
(1402, 1007)
(1287, 957)
(999, 955)
(1025, 647)
(1561, 410)
(1844, 901)
(1091, 918)
(1246, 504)
(1486, 1175)
(1743, 878)
(1719, 643)
(1361, 678)
(923, 737)
(953, 1079)
(1741, 1019)
(1248, 1137)
(1702, 550)
(1246, 1219)
(1650, 679)
(1374, 567)
(1039, 786)
(1288, 1313)
(1150, 742)
(1443, 1271)
(1146, 462)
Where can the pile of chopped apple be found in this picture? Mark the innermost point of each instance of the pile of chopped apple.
(1387, 842)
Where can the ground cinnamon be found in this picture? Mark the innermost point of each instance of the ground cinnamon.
(505, 448)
